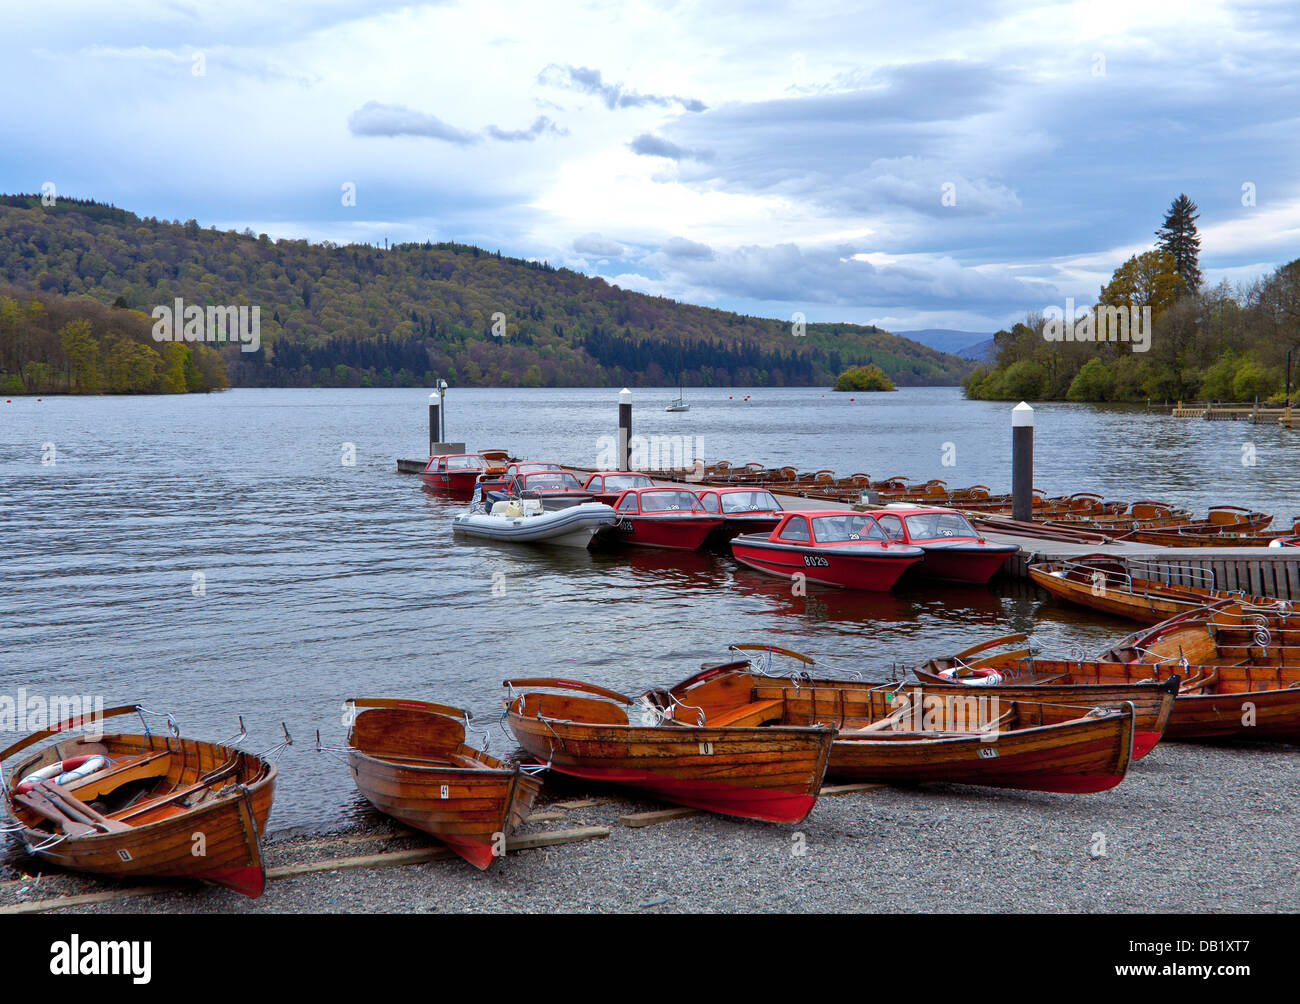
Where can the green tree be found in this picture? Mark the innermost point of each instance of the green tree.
(1178, 239)
(82, 352)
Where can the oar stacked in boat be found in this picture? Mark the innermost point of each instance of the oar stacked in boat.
(735, 765)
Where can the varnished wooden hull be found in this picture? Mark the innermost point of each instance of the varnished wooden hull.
(1153, 703)
(226, 829)
(1060, 749)
(758, 773)
(471, 811)
(1258, 703)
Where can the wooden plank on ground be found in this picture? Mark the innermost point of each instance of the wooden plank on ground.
(845, 789)
(582, 803)
(387, 860)
(544, 817)
(637, 819)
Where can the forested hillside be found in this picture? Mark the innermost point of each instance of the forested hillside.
(358, 315)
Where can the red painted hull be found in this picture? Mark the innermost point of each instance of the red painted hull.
(730, 800)
(1144, 743)
(681, 533)
(250, 881)
(460, 483)
(973, 564)
(875, 570)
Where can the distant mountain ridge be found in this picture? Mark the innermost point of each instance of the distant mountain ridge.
(974, 345)
(358, 315)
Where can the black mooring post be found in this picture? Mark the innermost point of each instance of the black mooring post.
(1022, 462)
(625, 429)
(435, 429)
(442, 433)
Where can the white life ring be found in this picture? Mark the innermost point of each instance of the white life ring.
(979, 677)
(64, 771)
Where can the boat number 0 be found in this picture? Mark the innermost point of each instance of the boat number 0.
(988, 752)
(446, 791)
(815, 560)
(706, 748)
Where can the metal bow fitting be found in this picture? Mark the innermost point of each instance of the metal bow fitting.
(274, 751)
(141, 710)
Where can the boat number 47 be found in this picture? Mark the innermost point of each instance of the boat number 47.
(815, 560)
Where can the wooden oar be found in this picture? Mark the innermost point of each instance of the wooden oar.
(63, 726)
(984, 646)
(790, 653)
(559, 684)
(408, 705)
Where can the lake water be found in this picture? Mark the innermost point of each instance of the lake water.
(322, 580)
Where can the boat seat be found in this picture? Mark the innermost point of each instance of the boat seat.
(755, 713)
(136, 768)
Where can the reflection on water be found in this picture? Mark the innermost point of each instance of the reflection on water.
(213, 556)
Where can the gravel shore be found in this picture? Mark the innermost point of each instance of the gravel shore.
(1192, 829)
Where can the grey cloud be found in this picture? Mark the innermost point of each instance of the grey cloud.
(598, 245)
(540, 125)
(681, 248)
(590, 81)
(375, 119)
(650, 145)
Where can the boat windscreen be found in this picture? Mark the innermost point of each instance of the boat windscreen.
(551, 481)
(932, 525)
(749, 502)
(829, 529)
(466, 464)
(621, 482)
(667, 501)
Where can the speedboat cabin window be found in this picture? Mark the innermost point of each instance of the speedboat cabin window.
(710, 501)
(892, 525)
(628, 504)
(670, 501)
(795, 529)
(622, 482)
(749, 502)
(929, 525)
(552, 481)
(830, 529)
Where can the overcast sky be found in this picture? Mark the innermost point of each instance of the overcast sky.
(909, 164)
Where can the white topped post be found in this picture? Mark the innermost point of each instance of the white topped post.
(1022, 462)
(625, 429)
(435, 430)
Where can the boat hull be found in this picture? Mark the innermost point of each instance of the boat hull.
(469, 810)
(226, 828)
(672, 533)
(973, 562)
(772, 774)
(569, 527)
(874, 569)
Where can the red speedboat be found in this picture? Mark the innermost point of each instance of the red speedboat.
(954, 550)
(499, 480)
(454, 473)
(743, 510)
(606, 486)
(830, 547)
(662, 517)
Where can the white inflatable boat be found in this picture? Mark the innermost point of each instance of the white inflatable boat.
(525, 520)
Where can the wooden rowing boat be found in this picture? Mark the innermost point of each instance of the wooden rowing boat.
(1111, 585)
(908, 734)
(730, 767)
(1243, 701)
(162, 806)
(1225, 633)
(410, 760)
